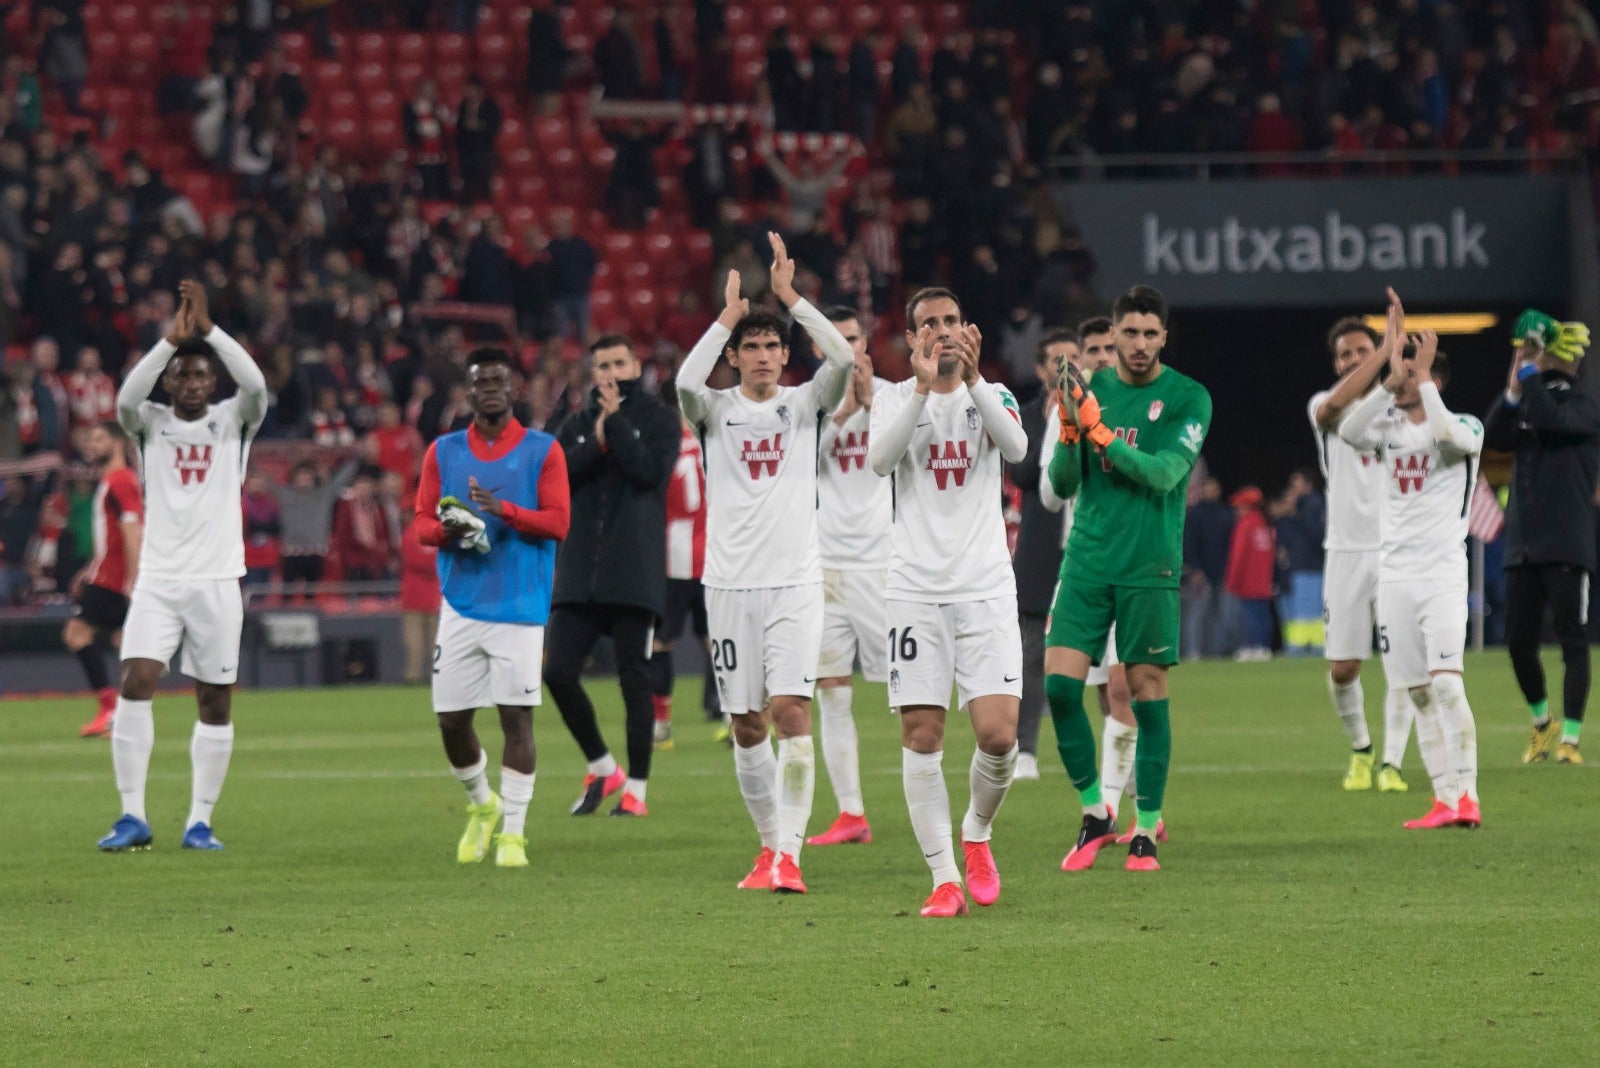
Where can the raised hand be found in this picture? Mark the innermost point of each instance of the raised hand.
(1394, 326)
(782, 271)
(182, 327)
(734, 306)
(1427, 342)
(969, 346)
(610, 398)
(924, 360)
(199, 305)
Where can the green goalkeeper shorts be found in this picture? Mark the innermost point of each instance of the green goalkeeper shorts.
(1148, 621)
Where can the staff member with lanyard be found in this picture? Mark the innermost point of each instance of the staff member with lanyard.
(1552, 424)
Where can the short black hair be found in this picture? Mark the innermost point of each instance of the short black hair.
(193, 346)
(488, 355)
(1140, 300)
(1053, 336)
(759, 321)
(1441, 363)
(924, 295)
(1350, 324)
(1098, 324)
(611, 341)
(841, 313)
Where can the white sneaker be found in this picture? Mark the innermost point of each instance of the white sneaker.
(1027, 767)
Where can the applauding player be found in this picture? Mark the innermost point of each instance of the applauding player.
(497, 564)
(1128, 443)
(1431, 454)
(186, 596)
(763, 575)
(853, 517)
(952, 597)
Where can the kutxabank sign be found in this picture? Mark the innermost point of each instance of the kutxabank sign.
(1333, 241)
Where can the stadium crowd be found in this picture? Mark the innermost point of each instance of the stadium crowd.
(360, 283)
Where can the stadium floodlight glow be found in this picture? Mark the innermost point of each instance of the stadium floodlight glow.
(1442, 323)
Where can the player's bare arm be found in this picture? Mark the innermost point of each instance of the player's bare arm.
(1355, 385)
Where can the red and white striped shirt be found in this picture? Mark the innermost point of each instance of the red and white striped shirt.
(686, 511)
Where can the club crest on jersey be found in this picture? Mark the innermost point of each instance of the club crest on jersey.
(762, 457)
(952, 463)
(783, 414)
(972, 418)
(193, 461)
(212, 426)
(894, 679)
(850, 449)
(1155, 410)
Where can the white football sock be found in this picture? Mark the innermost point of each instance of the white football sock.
(1431, 742)
(797, 782)
(840, 748)
(636, 787)
(133, 735)
(475, 779)
(1460, 732)
(1398, 713)
(1118, 744)
(604, 767)
(988, 778)
(758, 785)
(1351, 704)
(210, 749)
(928, 801)
(516, 791)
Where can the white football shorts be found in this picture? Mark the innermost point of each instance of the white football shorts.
(479, 665)
(202, 619)
(854, 622)
(1422, 628)
(764, 643)
(1100, 674)
(1349, 603)
(974, 645)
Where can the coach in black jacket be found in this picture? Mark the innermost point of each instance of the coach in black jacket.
(1552, 424)
(611, 575)
(1037, 561)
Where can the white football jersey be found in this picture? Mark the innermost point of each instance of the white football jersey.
(1429, 479)
(949, 535)
(854, 505)
(761, 464)
(193, 471)
(1355, 479)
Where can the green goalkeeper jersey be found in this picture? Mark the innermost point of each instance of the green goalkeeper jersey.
(1127, 527)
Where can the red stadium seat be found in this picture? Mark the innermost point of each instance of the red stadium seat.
(600, 160)
(518, 218)
(820, 20)
(408, 74)
(104, 48)
(451, 79)
(370, 77)
(519, 159)
(411, 47)
(95, 18)
(635, 274)
(370, 48)
(452, 48)
(644, 310)
(859, 18)
(344, 134)
(342, 104)
(512, 133)
(385, 136)
(126, 19)
(326, 76)
(619, 245)
(382, 103)
(604, 314)
(749, 46)
(296, 47)
(697, 249)
(659, 250)
(532, 189)
(141, 55)
(494, 47)
(551, 133)
(737, 19)
(517, 22)
(948, 18)
(775, 15)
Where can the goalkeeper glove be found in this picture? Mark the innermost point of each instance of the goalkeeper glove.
(1088, 412)
(454, 513)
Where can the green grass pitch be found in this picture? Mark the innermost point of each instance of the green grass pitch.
(1293, 923)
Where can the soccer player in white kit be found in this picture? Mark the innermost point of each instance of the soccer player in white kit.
(952, 596)
(763, 574)
(1119, 739)
(193, 454)
(1356, 480)
(853, 517)
(1431, 458)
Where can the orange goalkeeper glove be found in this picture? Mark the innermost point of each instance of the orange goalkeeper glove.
(1088, 412)
(1069, 430)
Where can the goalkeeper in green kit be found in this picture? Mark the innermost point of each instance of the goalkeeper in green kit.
(1129, 438)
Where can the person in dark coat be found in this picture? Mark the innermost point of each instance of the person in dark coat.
(477, 127)
(611, 576)
(1552, 423)
(1037, 560)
